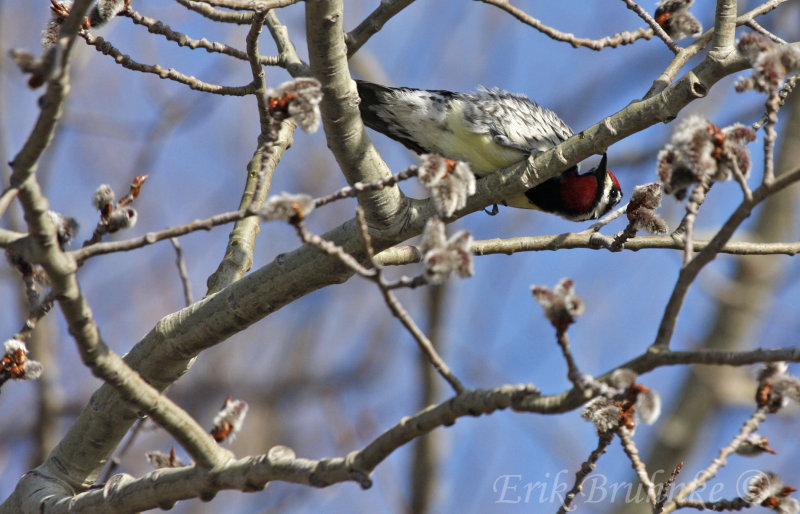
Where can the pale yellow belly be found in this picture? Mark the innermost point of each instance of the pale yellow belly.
(479, 150)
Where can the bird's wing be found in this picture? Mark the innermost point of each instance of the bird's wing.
(410, 116)
(515, 121)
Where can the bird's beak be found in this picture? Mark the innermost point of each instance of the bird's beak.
(603, 166)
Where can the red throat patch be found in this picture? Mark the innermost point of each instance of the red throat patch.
(579, 192)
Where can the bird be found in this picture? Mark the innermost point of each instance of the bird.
(490, 130)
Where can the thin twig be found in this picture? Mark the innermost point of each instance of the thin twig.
(408, 254)
(770, 135)
(227, 217)
(638, 466)
(422, 340)
(573, 374)
(6, 198)
(287, 53)
(753, 24)
(663, 493)
(740, 179)
(787, 87)
(38, 312)
(213, 14)
(333, 249)
(269, 128)
(657, 29)
(182, 273)
(715, 506)
(622, 38)
(106, 48)
(374, 22)
(363, 230)
(595, 227)
(249, 5)
(696, 199)
(586, 468)
(391, 300)
(352, 191)
(749, 427)
(153, 237)
(623, 237)
(425, 344)
(156, 27)
(406, 282)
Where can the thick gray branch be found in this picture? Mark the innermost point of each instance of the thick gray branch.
(347, 139)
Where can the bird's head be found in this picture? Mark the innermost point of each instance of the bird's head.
(578, 197)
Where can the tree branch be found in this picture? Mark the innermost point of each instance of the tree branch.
(724, 28)
(690, 51)
(273, 143)
(408, 254)
(347, 139)
(106, 48)
(156, 27)
(749, 427)
(214, 14)
(385, 11)
(671, 44)
(690, 271)
(623, 38)
(123, 492)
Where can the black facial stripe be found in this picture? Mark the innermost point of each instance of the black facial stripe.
(547, 195)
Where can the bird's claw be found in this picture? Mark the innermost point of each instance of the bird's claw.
(493, 211)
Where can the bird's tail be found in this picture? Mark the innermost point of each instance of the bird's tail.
(377, 99)
(372, 93)
(373, 97)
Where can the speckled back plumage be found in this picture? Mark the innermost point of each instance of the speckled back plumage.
(514, 118)
(490, 129)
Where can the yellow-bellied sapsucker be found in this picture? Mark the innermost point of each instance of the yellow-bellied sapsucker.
(490, 130)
